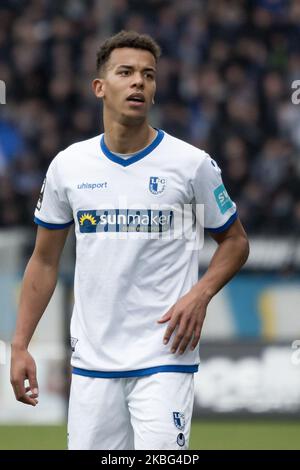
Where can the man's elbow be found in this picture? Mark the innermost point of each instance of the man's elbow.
(44, 259)
(244, 248)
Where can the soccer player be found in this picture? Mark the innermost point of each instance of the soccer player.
(139, 306)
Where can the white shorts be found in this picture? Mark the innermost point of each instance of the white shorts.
(151, 412)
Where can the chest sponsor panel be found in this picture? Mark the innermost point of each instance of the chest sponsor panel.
(125, 220)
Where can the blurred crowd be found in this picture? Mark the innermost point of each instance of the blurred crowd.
(224, 85)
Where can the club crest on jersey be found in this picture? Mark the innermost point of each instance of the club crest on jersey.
(179, 420)
(157, 184)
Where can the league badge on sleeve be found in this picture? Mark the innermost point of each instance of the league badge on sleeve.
(40, 200)
(157, 184)
(223, 200)
(74, 341)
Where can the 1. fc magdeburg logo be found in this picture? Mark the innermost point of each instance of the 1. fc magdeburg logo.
(157, 184)
(179, 420)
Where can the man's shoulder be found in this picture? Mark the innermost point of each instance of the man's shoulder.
(79, 149)
(181, 146)
(88, 145)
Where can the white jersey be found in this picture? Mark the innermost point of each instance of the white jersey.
(130, 268)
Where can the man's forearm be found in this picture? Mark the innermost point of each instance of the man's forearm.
(228, 259)
(37, 288)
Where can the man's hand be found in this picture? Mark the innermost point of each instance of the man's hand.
(188, 316)
(23, 367)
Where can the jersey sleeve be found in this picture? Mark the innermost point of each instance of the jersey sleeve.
(219, 210)
(53, 210)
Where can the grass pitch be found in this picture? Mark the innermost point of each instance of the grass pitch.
(205, 435)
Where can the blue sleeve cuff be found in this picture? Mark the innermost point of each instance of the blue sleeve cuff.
(225, 226)
(52, 226)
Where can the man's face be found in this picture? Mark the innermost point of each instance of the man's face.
(128, 83)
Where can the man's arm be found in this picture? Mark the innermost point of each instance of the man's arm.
(189, 312)
(38, 285)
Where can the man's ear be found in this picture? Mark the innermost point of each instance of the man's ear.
(98, 87)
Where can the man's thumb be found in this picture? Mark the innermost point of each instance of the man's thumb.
(166, 317)
(33, 385)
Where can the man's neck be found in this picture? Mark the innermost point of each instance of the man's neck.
(128, 139)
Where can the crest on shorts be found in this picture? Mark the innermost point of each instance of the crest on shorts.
(179, 420)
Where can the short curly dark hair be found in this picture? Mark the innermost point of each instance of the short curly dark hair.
(126, 39)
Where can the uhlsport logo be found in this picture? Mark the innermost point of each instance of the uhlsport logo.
(92, 185)
(179, 420)
(157, 184)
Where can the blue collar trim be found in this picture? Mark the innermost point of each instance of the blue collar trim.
(135, 158)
